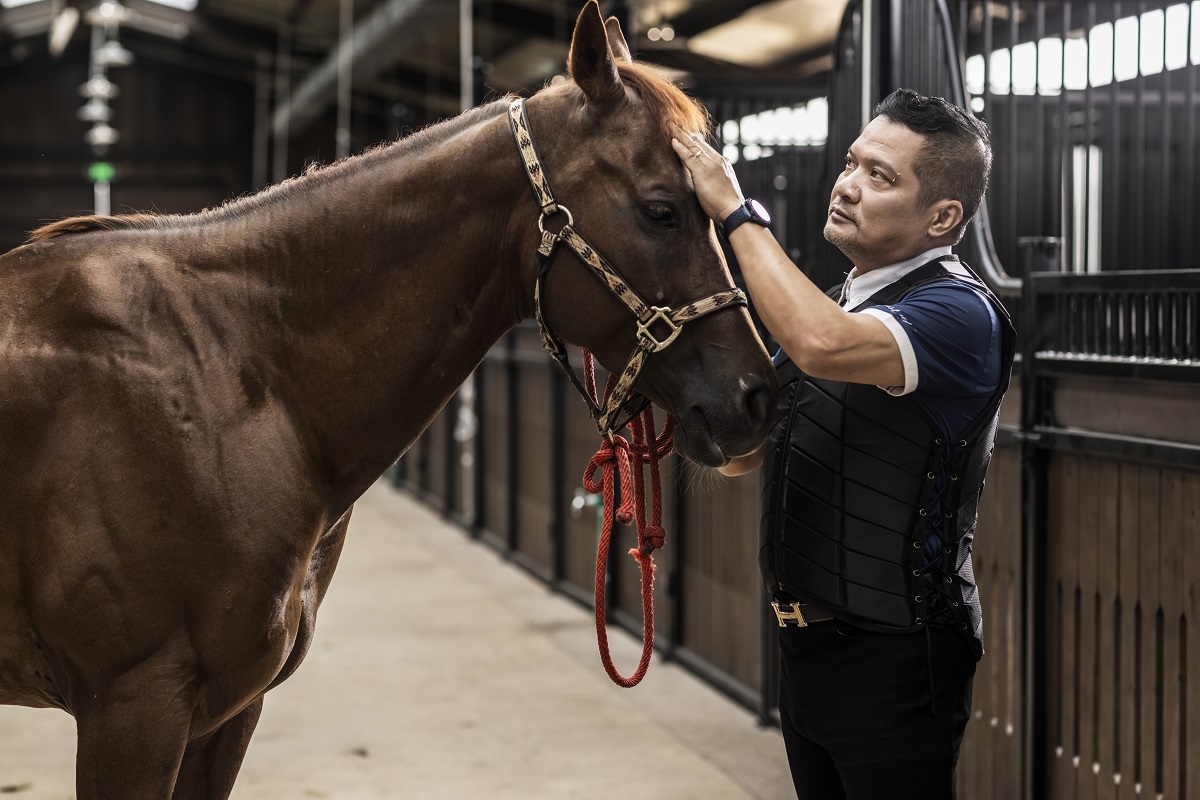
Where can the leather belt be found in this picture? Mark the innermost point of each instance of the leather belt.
(799, 614)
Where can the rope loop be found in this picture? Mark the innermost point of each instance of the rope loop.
(615, 459)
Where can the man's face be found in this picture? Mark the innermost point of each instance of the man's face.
(873, 216)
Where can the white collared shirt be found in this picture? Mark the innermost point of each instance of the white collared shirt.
(857, 290)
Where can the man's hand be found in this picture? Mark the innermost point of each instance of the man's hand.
(716, 184)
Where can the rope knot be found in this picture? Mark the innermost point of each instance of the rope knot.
(653, 538)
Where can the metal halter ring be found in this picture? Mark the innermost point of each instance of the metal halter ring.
(562, 208)
(660, 315)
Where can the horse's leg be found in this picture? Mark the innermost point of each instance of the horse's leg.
(211, 765)
(131, 740)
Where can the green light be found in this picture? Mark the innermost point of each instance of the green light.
(102, 172)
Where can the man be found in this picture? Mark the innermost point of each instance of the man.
(890, 386)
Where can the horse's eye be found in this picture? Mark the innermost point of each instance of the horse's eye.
(662, 213)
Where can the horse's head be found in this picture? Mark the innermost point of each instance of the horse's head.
(606, 150)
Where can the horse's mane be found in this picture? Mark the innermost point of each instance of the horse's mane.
(664, 100)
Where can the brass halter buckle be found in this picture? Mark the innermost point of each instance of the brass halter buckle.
(646, 336)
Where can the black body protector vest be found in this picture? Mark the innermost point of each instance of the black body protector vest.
(868, 511)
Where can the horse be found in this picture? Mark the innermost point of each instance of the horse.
(191, 404)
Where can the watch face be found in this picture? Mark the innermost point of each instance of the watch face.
(756, 208)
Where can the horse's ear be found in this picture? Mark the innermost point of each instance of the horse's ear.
(616, 40)
(591, 62)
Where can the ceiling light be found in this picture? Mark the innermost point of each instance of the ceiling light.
(15, 3)
(100, 87)
(101, 135)
(107, 13)
(771, 32)
(96, 110)
(112, 54)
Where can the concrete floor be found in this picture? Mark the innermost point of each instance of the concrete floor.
(440, 671)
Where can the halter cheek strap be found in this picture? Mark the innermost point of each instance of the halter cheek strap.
(657, 326)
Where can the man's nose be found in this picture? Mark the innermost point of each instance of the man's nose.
(847, 187)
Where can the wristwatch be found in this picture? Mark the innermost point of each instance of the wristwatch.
(749, 211)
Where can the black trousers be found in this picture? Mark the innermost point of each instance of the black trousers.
(858, 721)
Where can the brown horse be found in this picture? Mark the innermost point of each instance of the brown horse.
(190, 405)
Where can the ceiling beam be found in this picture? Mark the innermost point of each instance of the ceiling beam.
(378, 36)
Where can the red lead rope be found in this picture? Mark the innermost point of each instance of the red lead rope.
(614, 460)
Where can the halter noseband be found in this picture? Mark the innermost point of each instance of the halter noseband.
(622, 403)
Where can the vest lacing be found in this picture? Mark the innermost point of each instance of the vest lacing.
(935, 576)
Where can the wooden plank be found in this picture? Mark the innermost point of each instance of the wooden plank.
(1148, 599)
(1063, 499)
(1173, 538)
(1087, 674)
(534, 536)
(1128, 564)
(1007, 466)
(1190, 652)
(1107, 587)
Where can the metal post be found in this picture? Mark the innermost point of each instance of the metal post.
(451, 467)
(675, 579)
(558, 474)
(466, 53)
(479, 458)
(345, 56)
(283, 91)
(1038, 254)
(514, 442)
(867, 53)
(102, 198)
(262, 119)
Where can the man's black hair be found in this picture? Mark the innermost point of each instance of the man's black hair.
(955, 160)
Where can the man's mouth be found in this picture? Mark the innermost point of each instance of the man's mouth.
(836, 214)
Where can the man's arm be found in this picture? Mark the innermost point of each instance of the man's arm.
(812, 329)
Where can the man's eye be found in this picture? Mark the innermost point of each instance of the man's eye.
(876, 174)
(661, 213)
(849, 164)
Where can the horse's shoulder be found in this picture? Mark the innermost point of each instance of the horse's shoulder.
(91, 222)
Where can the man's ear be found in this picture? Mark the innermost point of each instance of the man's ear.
(591, 62)
(616, 40)
(946, 214)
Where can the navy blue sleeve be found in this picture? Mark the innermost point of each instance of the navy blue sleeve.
(955, 337)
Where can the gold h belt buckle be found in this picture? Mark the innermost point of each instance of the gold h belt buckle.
(785, 617)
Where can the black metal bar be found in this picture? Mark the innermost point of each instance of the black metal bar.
(1038, 254)
(1039, 124)
(452, 507)
(1171, 280)
(676, 583)
(1189, 147)
(1139, 145)
(1110, 253)
(479, 463)
(1152, 452)
(1165, 183)
(514, 445)
(1130, 368)
(558, 473)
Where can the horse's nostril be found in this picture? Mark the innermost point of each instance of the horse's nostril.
(758, 404)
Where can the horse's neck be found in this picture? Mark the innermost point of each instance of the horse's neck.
(392, 282)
